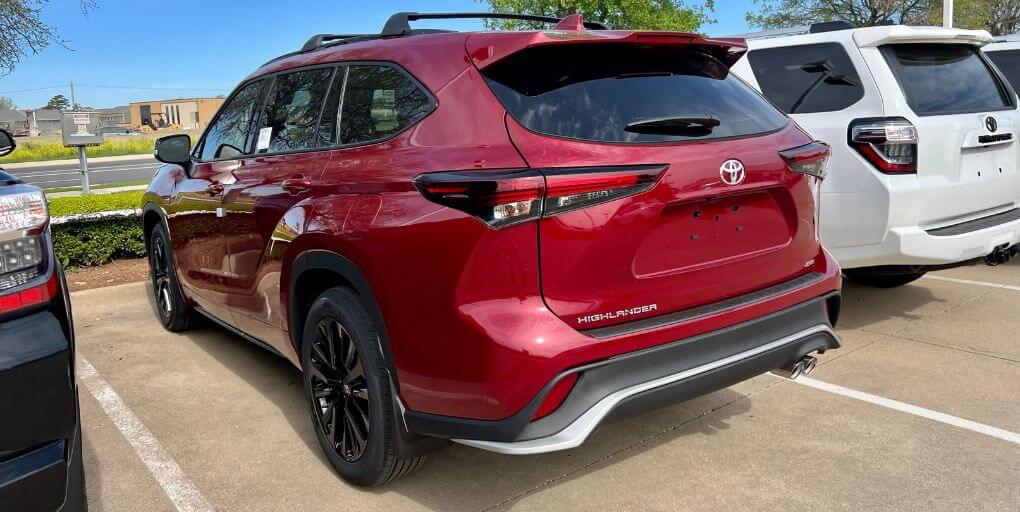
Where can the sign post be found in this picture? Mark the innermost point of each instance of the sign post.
(81, 129)
(947, 13)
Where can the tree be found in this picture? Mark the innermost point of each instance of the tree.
(22, 32)
(999, 17)
(789, 13)
(618, 14)
(7, 103)
(58, 102)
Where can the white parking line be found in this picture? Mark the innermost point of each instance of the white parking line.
(167, 473)
(978, 283)
(973, 426)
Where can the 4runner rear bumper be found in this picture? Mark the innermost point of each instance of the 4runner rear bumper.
(943, 245)
(649, 379)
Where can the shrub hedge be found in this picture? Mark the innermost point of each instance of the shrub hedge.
(95, 243)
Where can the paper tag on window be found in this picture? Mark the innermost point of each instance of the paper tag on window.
(265, 135)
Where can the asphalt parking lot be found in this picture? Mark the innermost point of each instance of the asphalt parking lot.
(924, 415)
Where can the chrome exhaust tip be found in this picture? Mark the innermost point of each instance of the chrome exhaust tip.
(803, 367)
(809, 365)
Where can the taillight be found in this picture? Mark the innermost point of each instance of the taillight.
(504, 198)
(556, 396)
(29, 297)
(23, 257)
(811, 159)
(890, 144)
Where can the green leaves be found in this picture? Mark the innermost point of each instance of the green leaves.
(618, 14)
(62, 206)
(95, 243)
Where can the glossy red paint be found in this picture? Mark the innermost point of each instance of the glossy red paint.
(475, 329)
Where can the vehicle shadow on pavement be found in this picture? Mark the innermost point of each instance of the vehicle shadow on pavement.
(462, 478)
(865, 306)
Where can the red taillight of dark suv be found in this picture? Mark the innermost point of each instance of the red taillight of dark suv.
(497, 238)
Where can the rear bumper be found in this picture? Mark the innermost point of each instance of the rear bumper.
(652, 378)
(943, 245)
(40, 440)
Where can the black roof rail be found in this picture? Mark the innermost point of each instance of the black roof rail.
(319, 39)
(398, 24)
(831, 26)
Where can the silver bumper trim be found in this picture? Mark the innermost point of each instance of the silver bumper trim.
(578, 431)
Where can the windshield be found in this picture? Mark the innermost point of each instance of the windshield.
(628, 93)
(946, 79)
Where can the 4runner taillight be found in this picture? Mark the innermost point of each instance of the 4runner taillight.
(504, 198)
(23, 218)
(890, 144)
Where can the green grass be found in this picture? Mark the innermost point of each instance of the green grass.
(43, 150)
(93, 203)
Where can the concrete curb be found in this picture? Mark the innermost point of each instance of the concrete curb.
(85, 218)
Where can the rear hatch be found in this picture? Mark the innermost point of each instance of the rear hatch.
(721, 215)
(965, 117)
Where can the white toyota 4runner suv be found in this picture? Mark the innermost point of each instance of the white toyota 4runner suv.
(923, 130)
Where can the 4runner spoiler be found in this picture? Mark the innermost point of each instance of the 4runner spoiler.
(899, 34)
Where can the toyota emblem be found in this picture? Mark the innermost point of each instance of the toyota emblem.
(991, 124)
(732, 172)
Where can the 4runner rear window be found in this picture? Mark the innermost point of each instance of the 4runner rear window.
(808, 78)
(1008, 61)
(946, 79)
(625, 93)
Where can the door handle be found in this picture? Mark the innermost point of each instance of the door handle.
(296, 185)
(214, 189)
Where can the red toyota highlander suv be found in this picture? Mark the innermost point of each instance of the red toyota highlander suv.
(497, 238)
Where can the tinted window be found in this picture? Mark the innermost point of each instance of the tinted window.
(379, 101)
(945, 79)
(226, 136)
(1008, 61)
(291, 118)
(628, 94)
(806, 79)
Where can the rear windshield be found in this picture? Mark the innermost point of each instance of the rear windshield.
(946, 79)
(1008, 61)
(625, 93)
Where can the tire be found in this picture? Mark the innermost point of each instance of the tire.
(349, 393)
(173, 311)
(878, 279)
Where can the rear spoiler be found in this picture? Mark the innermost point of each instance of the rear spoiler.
(486, 48)
(900, 34)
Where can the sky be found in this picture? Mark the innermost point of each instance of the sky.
(141, 50)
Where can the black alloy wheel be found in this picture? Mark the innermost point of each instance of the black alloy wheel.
(340, 390)
(161, 285)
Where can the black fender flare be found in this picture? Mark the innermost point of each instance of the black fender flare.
(326, 260)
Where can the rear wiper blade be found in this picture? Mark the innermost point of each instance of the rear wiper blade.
(696, 126)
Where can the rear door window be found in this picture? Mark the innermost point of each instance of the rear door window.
(627, 93)
(228, 133)
(1008, 61)
(294, 105)
(807, 79)
(946, 79)
(380, 102)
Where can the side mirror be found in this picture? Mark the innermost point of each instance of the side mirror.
(7, 143)
(173, 149)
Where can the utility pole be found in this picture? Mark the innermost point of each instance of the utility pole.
(947, 13)
(72, 96)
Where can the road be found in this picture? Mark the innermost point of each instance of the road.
(63, 174)
(917, 411)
